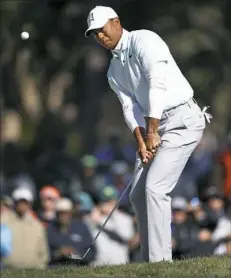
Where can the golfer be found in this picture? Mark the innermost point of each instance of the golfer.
(159, 108)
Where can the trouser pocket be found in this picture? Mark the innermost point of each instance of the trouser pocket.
(193, 120)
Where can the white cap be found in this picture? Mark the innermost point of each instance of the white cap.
(179, 203)
(64, 204)
(98, 17)
(22, 194)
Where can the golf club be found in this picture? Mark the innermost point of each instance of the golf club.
(76, 256)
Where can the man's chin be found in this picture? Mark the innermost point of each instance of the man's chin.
(108, 46)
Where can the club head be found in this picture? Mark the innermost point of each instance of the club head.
(75, 257)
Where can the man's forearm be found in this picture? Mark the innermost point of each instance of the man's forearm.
(151, 125)
(139, 133)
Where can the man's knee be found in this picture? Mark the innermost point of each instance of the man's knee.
(160, 184)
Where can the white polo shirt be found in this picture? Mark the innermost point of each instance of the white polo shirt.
(145, 77)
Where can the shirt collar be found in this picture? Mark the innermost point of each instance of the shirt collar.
(122, 44)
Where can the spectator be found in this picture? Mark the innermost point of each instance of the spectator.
(6, 242)
(112, 244)
(184, 231)
(223, 229)
(134, 245)
(83, 205)
(222, 236)
(204, 245)
(118, 171)
(6, 204)
(89, 163)
(92, 181)
(225, 161)
(67, 235)
(214, 242)
(49, 195)
(214, 207)
(197, 212)
(189, 239)
(119, 176)
(115, 150)
(29, 249)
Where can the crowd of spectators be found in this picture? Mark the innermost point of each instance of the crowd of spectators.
(54, 198)
(41, 226)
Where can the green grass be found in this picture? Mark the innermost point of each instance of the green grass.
(199, 267)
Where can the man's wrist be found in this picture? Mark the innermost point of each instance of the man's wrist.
(150, 135)
(139, 134)
(152, 125)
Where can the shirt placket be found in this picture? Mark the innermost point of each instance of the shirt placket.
(122, 57)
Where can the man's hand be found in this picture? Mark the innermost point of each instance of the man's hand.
(144, 154)
(152, 138)
(152, 141)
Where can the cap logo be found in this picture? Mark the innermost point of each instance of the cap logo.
(91, 17)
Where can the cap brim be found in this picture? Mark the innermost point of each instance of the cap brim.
(93, 27)
(88, 32)
(23, 199)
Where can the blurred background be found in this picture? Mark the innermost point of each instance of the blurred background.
(66, 153)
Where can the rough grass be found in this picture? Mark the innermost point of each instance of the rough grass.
(199, 267)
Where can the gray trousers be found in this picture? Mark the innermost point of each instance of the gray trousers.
(180, 131)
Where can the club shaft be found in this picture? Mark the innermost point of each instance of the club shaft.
(114, 208)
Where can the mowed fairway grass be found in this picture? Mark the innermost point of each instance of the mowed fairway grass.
(199, 267)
